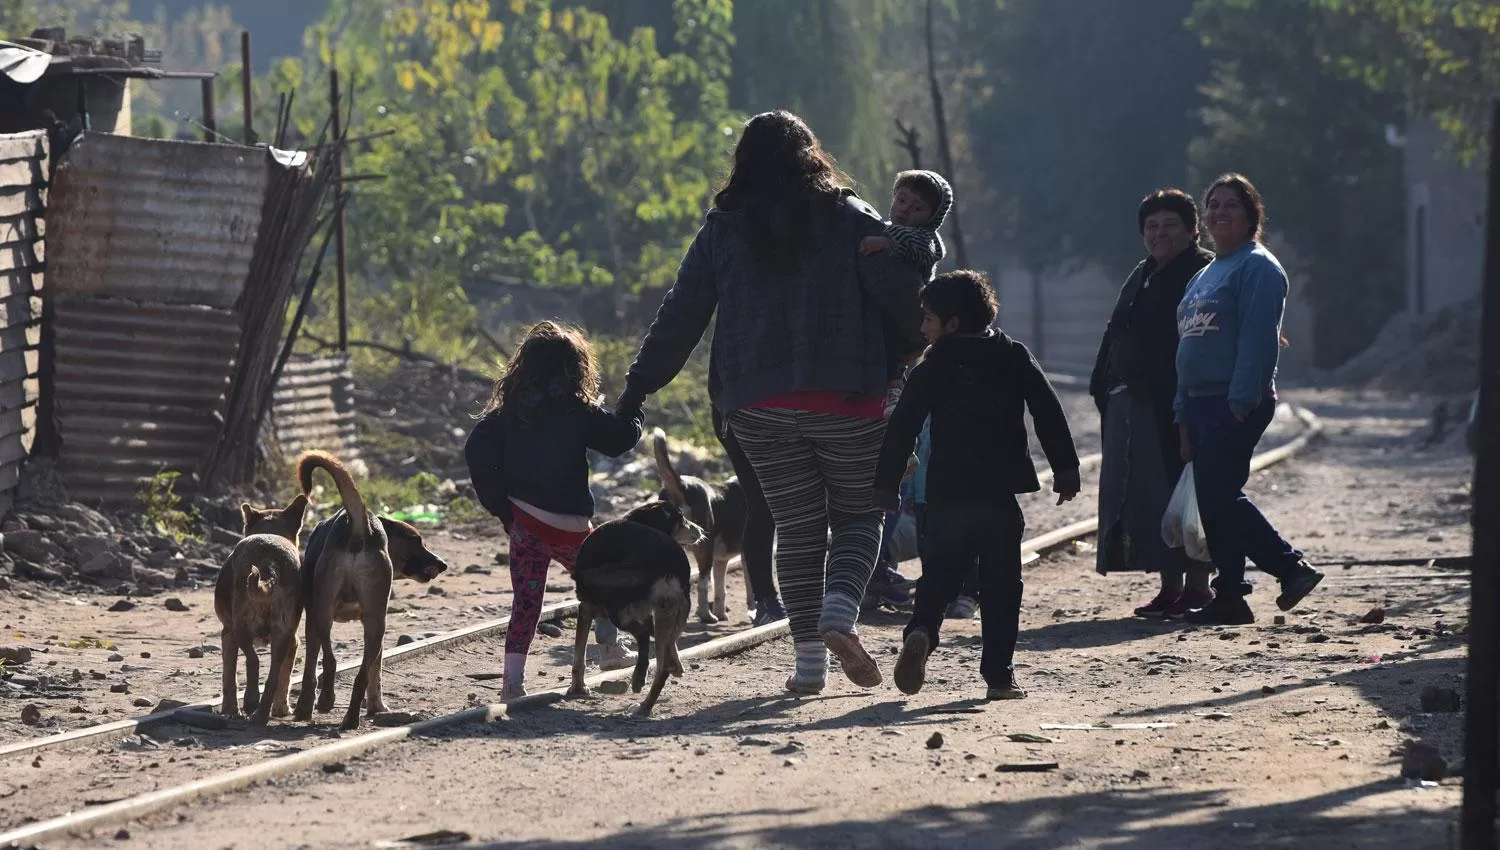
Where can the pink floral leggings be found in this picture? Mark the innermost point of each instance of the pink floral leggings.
(530, 556)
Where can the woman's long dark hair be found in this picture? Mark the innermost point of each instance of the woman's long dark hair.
(1255, 208)
(780, 180)
(554, 369)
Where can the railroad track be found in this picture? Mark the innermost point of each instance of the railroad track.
(114, 812)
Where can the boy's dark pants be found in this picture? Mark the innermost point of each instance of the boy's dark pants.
(956, 535)
(1222, 450)
(971, 582)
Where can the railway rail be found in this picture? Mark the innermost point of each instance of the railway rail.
(224, 781)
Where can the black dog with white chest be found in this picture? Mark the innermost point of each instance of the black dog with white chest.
(635, 571)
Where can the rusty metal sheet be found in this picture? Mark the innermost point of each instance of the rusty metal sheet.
(155, 221)
(139, 389)
(313, 407)
(23, 170)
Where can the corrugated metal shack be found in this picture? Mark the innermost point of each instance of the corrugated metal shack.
(314, 406)
(150, 247)
(23, 172)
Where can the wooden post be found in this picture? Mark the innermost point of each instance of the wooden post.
(1482, 721)
(341, 263)
(941, 116)
(210, 121)
(247, 85)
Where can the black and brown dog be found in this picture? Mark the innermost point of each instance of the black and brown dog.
(258, 599)
(351, 560)
(720, 510)
(634, 571)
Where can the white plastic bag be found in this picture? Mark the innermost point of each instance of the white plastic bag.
(1181, 525)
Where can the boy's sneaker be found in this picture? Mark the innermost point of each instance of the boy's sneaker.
(615, 658)
(1190, 600)
(1296, 586)
(1010, 691)
(911, 665)
(963, 608)
(1223, 611)
(769, 612)
(881, 591)
(1158, 607)
(895, 579)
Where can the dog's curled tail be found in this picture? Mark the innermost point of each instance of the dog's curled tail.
(669, 478)
(257, 585)
(354, 504)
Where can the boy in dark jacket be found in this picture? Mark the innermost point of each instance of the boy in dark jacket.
(976, 384)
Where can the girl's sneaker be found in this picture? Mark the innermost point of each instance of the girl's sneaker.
(1158, 607)
(769, 612)
(615, 658)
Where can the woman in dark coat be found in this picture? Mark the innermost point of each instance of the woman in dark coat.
(1133, 384)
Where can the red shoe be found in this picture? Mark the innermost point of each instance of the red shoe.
(1189, 601)
(1158, 607)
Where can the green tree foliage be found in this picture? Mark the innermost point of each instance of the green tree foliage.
(1283, 110)
(1091, 105)
(529, 141)
(1443, 54)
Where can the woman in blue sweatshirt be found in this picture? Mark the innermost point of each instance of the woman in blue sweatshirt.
(1229, 337)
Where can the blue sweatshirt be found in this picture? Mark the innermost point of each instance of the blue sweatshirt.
(1229, 329)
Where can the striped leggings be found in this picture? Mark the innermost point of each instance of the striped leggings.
(817, 471)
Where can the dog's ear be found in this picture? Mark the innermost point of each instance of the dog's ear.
(295, 512)
(249, 515)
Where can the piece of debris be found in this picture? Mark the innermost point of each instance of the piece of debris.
(195, 652)
(141, 702)
(550, 629)
(115, 657)
(335, 767)
(1423, 761)
(1026, 767)
(791, 749)
(169, 705)
(31, 714)
(145, 655)
(388, 719)
(200, 719)
(427, 839)
(1436, 700)
(756, 742)
(935, 741)
(614, 687)
(123, 834)
(175, 604)
(1028, 738)
(120, 688)
(1102, 726)
(1318, 638)
(15, 654)
(1268, 690)
(1375, 615)
(1279, 620)
(436, 590)
(405, 639)
(791, 762)
(1216, 715)
(485, 677)
(121, 606)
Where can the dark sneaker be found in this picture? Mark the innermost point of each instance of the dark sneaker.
(769, 612)
(963, 608)
(1158, 607)
(1010, 691)
(1190, 600)
(882, 591)
(1223, 611)
(895, 579)
(911, 666)
(1295, 587)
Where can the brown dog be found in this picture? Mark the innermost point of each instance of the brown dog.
(258, 598)
(347, 571)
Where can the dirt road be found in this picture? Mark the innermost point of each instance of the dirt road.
(1276, 735)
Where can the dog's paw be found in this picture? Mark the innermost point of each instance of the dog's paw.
(350, 723)
(325, 704)
(579, 692)
(641, 711)
(281, 710)
(300, 716)
(707, 617)
(260, 718)
(721, 611)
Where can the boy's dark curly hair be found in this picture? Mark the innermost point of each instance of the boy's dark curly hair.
(964, 294)
(554, 368)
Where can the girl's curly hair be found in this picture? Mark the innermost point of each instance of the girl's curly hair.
(553, 369)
